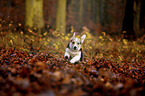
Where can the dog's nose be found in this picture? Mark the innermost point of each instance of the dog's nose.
(75, 47)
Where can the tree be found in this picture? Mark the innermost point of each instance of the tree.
(81, 12)
(34, 13)
(98, 11)
(142, 17)
(134, 19)
(128, 22)
(61, 16)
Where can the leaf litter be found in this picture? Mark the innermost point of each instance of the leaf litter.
(49, 74)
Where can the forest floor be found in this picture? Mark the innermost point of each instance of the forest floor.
(110, 67)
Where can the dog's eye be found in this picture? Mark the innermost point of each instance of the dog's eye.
(78, 43)
(73, 42)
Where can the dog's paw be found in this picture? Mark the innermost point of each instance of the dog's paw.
(66, 57)
(73, 61)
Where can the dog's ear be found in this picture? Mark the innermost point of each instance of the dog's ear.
(83, 38)
(73, 36)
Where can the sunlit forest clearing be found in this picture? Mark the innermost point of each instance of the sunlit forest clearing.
(32, 48)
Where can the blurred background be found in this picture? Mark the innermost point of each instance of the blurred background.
(124, 18)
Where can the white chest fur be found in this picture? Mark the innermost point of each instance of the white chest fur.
(73, 53)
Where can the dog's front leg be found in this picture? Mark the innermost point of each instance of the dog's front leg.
(66, 55)
(75, 59)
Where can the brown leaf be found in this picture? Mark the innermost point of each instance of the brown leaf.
(66, 80)
(57, 75)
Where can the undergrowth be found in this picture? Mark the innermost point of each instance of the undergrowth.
(99, 46)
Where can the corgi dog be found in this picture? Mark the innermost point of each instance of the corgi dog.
(74, 51)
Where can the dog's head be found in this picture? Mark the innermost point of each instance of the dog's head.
(75, 43)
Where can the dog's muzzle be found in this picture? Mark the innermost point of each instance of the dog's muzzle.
(75, 47)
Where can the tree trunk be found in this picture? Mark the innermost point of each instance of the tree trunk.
(137, 7)
(38, 14)
(142, 17)
(61, 16)
(81, 12)
(34, 13)
(98, 12)
(128, 22)
(29, 13)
